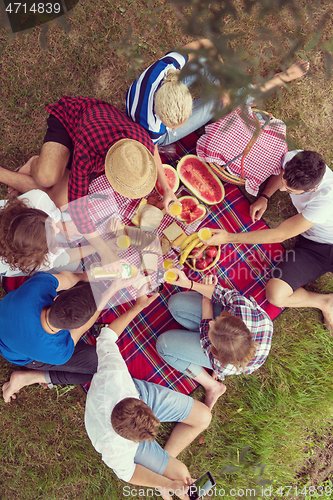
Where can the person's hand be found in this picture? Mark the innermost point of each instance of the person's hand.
(220, 237)
(69, 230)
(182, 279)
(209, 280)
(180, 488)
(168, 197)
(118, 284)
(258, 208)
(142, 300)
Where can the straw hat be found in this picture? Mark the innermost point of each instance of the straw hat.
(130, 168)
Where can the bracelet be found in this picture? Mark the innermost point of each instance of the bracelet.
(264, 196)
(191, 284)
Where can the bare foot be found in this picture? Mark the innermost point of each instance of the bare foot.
(26, 170)
(296, 70)
(212, 395)
(19, 379)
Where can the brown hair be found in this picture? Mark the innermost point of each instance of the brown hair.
(304, 171)
(75, 306)
(26, 236)
(232, 341)
(132, 419)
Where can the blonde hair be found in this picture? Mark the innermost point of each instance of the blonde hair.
(173, 101)
(232, 342)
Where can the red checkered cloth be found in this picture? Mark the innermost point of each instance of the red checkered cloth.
(244, 267)
(94, 126)
(227, 138)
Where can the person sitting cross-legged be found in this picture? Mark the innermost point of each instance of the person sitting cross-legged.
(226, 332)
(40, 330)
(309, 182)
(123, 414)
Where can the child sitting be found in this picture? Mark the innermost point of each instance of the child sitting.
(229, 334)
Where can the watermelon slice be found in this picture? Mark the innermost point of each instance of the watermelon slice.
(172, 178)
(197, 176)
(192, 210)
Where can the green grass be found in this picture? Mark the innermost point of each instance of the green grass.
(278, 412)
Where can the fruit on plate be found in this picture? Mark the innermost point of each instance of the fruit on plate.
(188, 249)
(172, 178)
(198, 256)
(192, 210)
(193, 251)
(197, 176)
(204, 262)
(197, 252)
(211, 251)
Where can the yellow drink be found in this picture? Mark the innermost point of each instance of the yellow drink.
(170, 276)
(175, 208)
(167, 264)
(123, 242)
(99, 273)
(205, 233)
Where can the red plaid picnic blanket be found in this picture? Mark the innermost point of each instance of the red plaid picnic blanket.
(227, 138)
(244, 267)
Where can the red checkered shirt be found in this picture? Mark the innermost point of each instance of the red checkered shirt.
(255, 318)
(93, 126)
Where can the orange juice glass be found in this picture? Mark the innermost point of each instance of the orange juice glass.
(170, 276)
(167, 264)
(205, 233)
(175, 208)
(123, 241)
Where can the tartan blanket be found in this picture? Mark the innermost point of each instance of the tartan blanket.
(244, 267)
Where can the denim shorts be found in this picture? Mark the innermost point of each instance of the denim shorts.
(168, 406)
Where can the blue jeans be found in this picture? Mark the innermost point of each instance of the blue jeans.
(202, 112)
(181, 349)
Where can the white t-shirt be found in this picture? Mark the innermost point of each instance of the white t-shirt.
(109, 385)
(39, 199)
(316, 206)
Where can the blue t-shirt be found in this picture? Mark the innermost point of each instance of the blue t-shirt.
(22, 338)
(140, 95)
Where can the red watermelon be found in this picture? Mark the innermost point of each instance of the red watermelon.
(192, 210)
(172, 178)
(197, 176)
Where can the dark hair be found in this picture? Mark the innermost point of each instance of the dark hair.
(26, 236)
(74, 307)
(304, 171)
(232, 341)
(132, 419)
